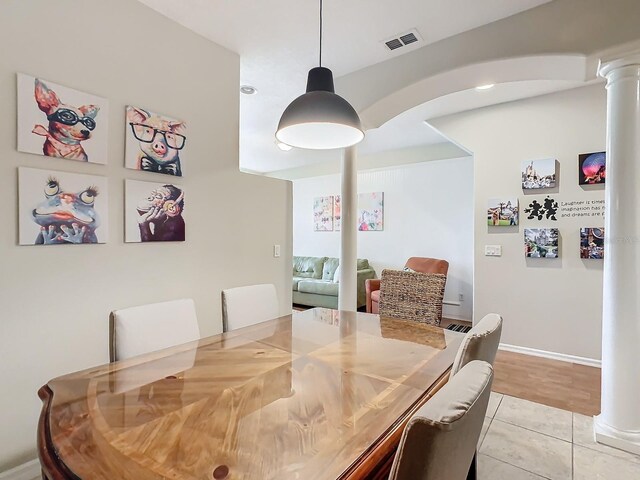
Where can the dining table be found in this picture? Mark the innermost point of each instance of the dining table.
(317, 394)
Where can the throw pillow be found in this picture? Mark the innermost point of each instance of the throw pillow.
(336, 275)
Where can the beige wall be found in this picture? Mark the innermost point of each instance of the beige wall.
(550, 305)
(55, 300)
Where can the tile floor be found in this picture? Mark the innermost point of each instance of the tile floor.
(522, 440)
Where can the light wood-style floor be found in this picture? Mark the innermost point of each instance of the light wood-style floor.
(564, 385)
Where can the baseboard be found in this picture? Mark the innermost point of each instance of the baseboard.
(27, 471)
(453, 303)
(590, 362)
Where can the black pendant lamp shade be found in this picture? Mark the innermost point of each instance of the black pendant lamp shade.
(320, 119)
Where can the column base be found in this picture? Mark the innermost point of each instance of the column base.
(612, 437)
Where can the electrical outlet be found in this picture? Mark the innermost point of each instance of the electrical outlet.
(276, 251)
(493, 250)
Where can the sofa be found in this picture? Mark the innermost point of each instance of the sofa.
(316, 281)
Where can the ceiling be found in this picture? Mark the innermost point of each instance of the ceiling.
(278, 43)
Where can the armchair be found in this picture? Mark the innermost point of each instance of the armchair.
(412, 296)
(417, 264)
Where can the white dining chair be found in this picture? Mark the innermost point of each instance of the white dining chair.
(439, 441)
(479, 343)
(146, 328)
(245, 306)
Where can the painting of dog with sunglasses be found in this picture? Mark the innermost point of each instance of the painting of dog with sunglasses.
(155, 143)
(69, 123)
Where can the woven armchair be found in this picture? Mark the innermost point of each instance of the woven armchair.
(417, 264)
(412, 296)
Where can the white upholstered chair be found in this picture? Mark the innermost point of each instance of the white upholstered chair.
(146, 328)
(245, 306)
(480, 343)
(440, 439)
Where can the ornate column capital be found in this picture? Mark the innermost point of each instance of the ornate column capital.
(615, 60)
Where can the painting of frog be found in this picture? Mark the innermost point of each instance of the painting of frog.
(68, 211)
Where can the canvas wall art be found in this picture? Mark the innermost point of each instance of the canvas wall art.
(541, 242)
(154, 212)
(337, 213)
(323, 214)
(538, 174)
(57, 121)
(502, 212)
(592, 168)
(60, 208)
(371, 211)
(592, 243)
(154, 142)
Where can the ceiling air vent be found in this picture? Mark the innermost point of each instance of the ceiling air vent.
(403, 40)
(408, 38)
(393, 44)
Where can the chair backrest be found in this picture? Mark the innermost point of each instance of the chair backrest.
(412, 296)
(428, 265)
(440, 439)
(137, 330)
(244, 306)
(480, 343)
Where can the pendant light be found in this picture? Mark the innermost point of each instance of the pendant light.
(319, 119)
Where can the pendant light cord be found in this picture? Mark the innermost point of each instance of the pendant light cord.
(320, 60)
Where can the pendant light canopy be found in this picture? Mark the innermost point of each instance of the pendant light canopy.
(319, 119)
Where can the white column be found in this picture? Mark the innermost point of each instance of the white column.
(348, 288)
(618, 425)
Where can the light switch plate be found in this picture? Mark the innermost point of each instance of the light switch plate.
(276, 251)
(493, 250)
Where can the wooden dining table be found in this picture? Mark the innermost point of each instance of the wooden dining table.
(319, 394)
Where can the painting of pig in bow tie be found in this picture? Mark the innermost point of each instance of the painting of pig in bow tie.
(155, 143)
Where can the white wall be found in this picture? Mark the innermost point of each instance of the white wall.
(428, 212)
(550, 305)
(55, 300)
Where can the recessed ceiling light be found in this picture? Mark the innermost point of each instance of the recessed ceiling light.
(248, 90)
(283, 146)
(486, 87)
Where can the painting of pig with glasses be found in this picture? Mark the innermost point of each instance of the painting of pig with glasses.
(57, 121)
(155, 143)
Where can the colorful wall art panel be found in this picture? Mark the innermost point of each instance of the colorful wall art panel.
(538, 174)
(371, 211)
(323, 214)
(592, 243)
(592, 168)
(155, 143)
(502, 212)
(60, 208)
(154, 212)
(337, 213)
(57, 121)
(541, 242)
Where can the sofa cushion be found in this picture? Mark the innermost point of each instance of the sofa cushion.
(296, 280)
(303, 274)
(319, 287)
(329, 269)
(310, 267)
(362, 264)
